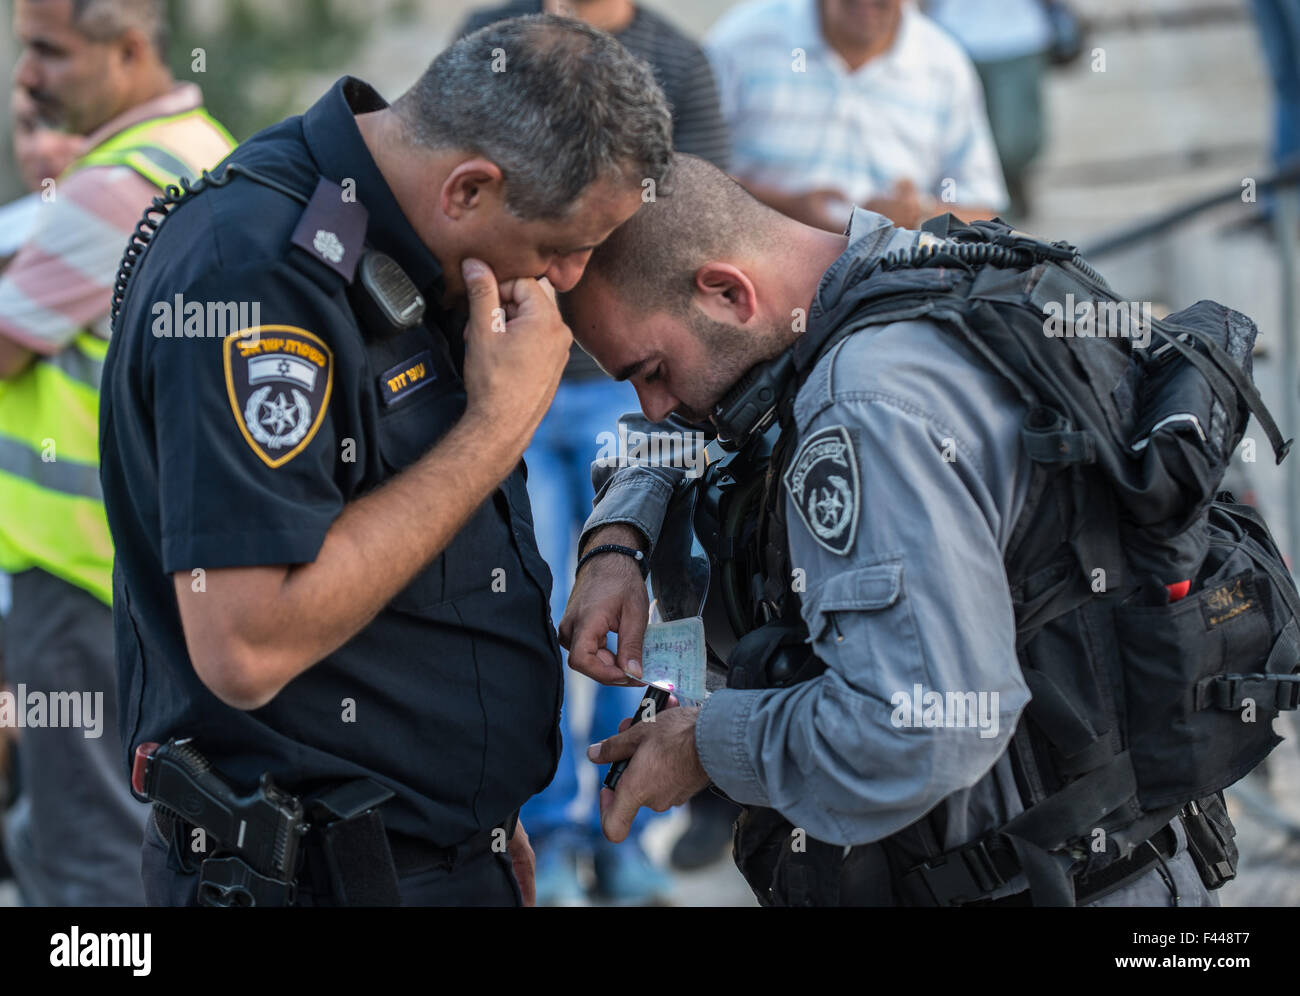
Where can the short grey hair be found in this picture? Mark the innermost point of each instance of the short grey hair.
(107, 20)
(555, 103)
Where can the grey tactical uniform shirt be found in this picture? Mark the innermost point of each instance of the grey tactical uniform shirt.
(900, 502)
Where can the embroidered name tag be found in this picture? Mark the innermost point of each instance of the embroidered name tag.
(407, 377)
(1228, 601)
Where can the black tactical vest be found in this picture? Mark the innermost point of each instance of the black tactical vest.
(1139, 683)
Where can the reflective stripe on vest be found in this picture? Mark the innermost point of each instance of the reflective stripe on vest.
(163, 150)
(51, 506)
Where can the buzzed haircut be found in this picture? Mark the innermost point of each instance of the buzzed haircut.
(108, 20)
(651, 259)
(555, 103)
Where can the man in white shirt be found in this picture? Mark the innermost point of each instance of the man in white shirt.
(833, 103)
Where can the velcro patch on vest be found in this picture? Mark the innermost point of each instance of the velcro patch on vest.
(1233, 598)
(407, 377)
(824, 486)
(278, 378)
(332, 229)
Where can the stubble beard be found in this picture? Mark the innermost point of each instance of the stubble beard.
(733, 351)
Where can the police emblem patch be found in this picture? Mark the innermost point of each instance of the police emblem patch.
(278, 378)
(823, 483)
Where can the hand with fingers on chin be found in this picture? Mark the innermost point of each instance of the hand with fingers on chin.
(664, 770)
(608, 596)
(516, 346)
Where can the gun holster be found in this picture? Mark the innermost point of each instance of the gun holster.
(345, 851)
(230, 881)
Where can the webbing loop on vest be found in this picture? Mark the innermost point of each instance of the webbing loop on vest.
(1048, 439)
(1230, 691)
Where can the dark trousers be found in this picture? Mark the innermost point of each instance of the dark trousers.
(483, 879)
(73, 831)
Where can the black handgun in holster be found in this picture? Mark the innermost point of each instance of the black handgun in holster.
(258, 835)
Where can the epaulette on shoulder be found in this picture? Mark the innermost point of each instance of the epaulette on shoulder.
(332, 229)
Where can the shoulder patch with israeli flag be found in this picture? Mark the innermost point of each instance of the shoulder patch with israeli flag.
(278, 378)
(823, 484)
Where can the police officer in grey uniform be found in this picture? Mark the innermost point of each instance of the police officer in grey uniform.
(899, 507)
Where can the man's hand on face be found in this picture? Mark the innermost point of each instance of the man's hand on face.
(665, 769)
(608, 596)
(516, 346)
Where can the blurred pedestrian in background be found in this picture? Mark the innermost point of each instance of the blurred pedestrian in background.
(836, 103)
(563, 820)
(1008, 41)
(95, 68)
(42, 153)
(1279, 29)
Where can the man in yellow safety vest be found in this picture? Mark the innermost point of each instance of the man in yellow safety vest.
(95, 68)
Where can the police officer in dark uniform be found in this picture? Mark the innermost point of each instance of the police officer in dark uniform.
(326, 570)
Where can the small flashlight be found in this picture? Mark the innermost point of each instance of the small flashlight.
(656, 698)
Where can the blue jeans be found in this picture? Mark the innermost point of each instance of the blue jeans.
(1279, 28)
(559, 488)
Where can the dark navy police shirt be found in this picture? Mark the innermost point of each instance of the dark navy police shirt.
(240, 447)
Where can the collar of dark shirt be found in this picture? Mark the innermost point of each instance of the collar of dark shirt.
(335, 141)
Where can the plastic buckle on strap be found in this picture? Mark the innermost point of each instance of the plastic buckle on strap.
(1223, 690)
(1288, 692)
(962, 876)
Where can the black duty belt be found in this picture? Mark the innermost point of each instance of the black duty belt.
(411, 855)
(979, 869)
